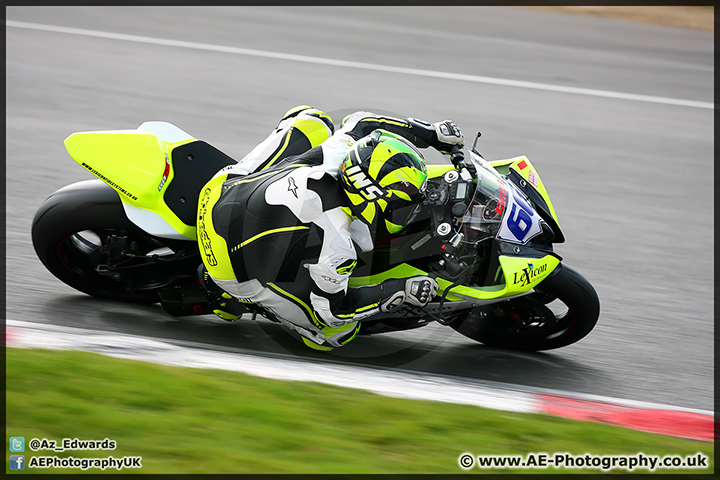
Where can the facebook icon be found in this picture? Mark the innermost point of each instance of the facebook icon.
(17, 462)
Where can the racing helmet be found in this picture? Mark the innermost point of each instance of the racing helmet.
(384, 177)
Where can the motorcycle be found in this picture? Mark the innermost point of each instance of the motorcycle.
(485, 231)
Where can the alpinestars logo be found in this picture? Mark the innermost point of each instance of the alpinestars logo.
(203, 237)
(346, 267)
(292, 187)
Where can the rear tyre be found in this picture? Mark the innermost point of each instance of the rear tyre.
(71, 231)
(563, 309)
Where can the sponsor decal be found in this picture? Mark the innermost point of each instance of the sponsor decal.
(402, 180)
(110, 182)
(203, 237)
(346, 267)
(331, 280)
(527, 275)
(502, 200)
(522, 165)
(292, 187)
(533, 178)
(166, 173)
(357, 178)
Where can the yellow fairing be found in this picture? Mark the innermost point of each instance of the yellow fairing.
(521, 275)
(526, 170)
(136, 163)
(524, 274)
(435, 171)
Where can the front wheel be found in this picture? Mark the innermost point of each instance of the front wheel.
(82, 236)
(563, 309)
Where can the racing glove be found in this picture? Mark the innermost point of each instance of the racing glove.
(441, 135)
(415, 291)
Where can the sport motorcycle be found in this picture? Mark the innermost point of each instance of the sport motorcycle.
(485, 232)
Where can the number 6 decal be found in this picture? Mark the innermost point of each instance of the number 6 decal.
(521, 222)
(520, 219)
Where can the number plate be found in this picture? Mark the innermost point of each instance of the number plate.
(521, 222)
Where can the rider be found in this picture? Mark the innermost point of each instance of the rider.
(280, 228)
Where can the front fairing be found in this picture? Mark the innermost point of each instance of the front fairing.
(504, 239)
(498, 209)
(504, 218)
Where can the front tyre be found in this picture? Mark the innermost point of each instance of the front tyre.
(562, 310)
(83, 237)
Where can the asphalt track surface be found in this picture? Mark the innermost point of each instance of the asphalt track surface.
(617, 117)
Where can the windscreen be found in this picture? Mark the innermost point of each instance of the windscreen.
(484, 214)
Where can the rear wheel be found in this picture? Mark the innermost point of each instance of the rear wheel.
(82, 236)
(563, 309)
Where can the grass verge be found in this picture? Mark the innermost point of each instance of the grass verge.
(184, 420)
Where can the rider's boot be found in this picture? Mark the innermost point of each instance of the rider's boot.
(222, 303)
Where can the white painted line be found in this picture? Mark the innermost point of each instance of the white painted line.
(363, 66)
(392, 383)
(387, 383)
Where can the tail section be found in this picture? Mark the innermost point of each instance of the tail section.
(158, 170)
